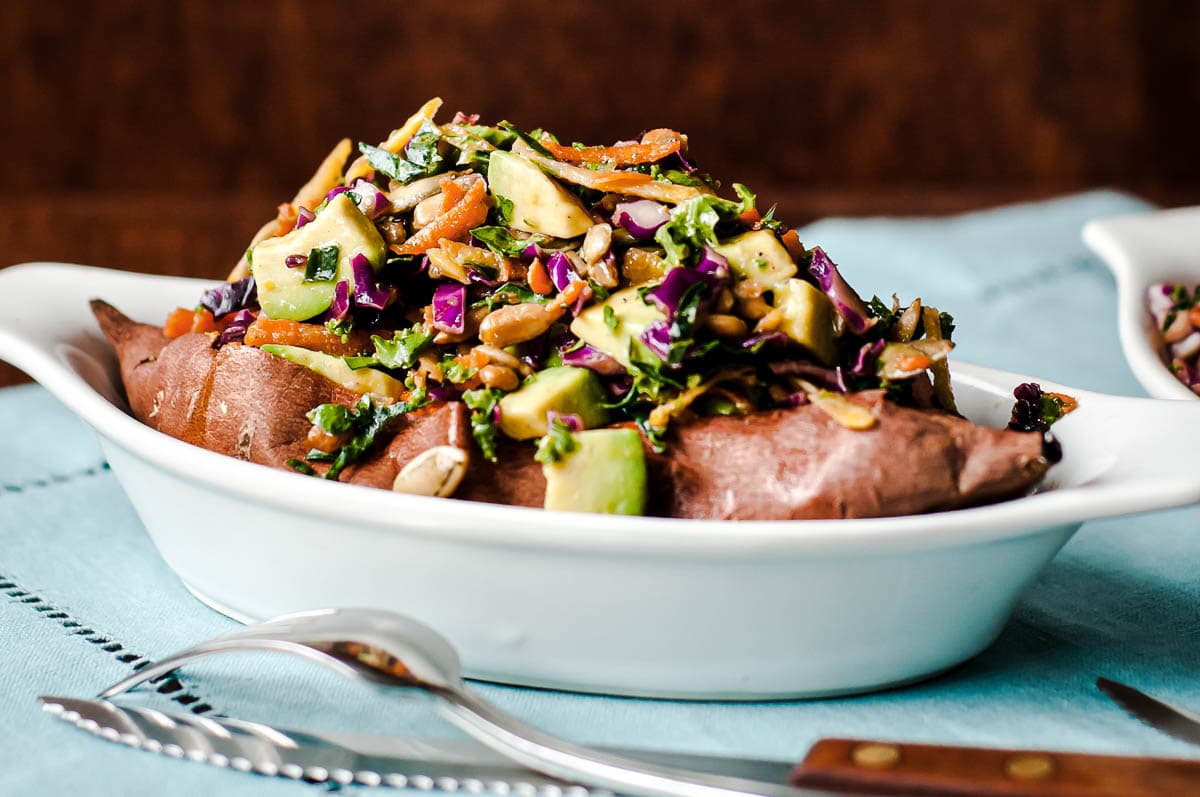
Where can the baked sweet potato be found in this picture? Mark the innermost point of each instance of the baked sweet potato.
(781, 464)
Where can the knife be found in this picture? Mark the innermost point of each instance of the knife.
(1159, 714)
(832, 765)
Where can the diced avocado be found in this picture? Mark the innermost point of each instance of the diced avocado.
(759, 257)
(282, 291)
(564, 389)
(807, 318)
(629, 318)
(539, 204)
(605, 472)
(364, 380)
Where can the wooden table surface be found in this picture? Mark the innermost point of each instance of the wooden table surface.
(203, 236)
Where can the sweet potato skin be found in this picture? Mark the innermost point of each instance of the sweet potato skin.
(800, 464)
(780, 464)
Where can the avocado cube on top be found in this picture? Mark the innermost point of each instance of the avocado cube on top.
(282, 291)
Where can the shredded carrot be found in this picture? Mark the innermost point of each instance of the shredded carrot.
(1194, 316)
(179, 322)
(539, 279)
(452, 192)
(913, 362)
(285, 219)
(455, 223)
(655, 145)
(307, 336)
(1068, 402)
(473, 359)
(791, 242)
(570, 295)
(750, 216)
(183, 320)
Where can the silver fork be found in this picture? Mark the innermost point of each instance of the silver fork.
(386, 649)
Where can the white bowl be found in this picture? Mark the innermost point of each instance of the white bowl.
(1144, 249)
(642, 606)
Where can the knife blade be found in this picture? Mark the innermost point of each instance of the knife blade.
(1158, 714)
(832, 766)
(447, 765)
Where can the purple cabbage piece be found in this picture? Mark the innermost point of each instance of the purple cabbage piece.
(848, 303)
(657, 338)
(450, 308)
(340, 307)
(766, 339)
(296, 261)
(303, 216)
(235, 330)
(641, 217)
(531, 252)
(683, 164)
(592, 359)
(230, 296)
(437, 392)
(371, 201)
(868, 355)
(570, 420)
(794, 400)
(561, 272)
(367, 292)
(829, 378)
(341, 189)
(479, 278)
(714, 265)
(668, 293)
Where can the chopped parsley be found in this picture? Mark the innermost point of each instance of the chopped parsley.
(504, 210)
(483, 404)
(556, 444)
(422, 157)
(610, 318)
(404, 347)
(503, 242)
(510, 293)
(455, 372)
(693, 224)
(322, 264)
(364, 422)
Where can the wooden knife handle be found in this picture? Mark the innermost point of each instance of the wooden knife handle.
(942, 771)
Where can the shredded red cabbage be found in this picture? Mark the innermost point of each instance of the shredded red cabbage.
(304, 216)
(668, 293)
(765, 339)
(868, 355)
(450, 308)
(592, 359)
(340, 307)
(641, 217)
(657, 338)
(367, 292)
(341, 189)
(714, 266)
(235, 330)
(848, 303)
(570, 420)
(561, 272)
(230, 296)
(296, 261)
(828, 378)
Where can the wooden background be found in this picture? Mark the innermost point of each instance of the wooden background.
(158, 136)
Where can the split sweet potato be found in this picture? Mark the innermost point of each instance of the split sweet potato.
(780, 464)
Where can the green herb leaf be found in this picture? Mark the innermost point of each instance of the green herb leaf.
(500, 139)
(946, 322)
(341, 328)
(532, 142)
(322, 264)
(693, 224)
(365, 421)
(503, 242)
(504, 210)
(482, 404)
(510, 293)
(610, 318)
(404, 347)
(455, 372)
(884, 312)
(556, 444)
(422, 156)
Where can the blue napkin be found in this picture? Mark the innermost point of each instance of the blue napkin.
(84, 596)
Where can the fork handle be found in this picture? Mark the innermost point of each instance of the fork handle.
(945, 771)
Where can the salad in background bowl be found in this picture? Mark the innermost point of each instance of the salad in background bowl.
(1155, 258)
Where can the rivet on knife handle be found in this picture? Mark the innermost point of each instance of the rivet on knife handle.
(942, 771)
